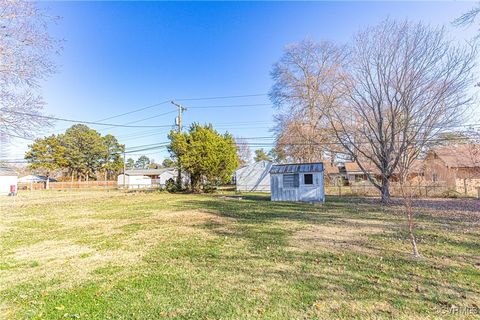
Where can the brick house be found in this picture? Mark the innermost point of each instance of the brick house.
(355, 175)
(458, 167)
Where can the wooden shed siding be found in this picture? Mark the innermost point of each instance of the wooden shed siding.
(308, 193)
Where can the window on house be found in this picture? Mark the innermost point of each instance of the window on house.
(308, 178)
(291, 180)
(434, 177)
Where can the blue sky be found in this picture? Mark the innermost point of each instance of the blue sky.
(119, 56)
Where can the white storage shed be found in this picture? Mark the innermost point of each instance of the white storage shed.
(149, 177)
(297, 182)
(134, 181)
(254, 177)
(8, 181)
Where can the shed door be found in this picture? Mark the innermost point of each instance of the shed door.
(309, 187)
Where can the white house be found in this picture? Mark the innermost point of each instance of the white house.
(8, 181)
(254, 177)
(134, 181)
(145, 178)
(297, 182)
(35, 179)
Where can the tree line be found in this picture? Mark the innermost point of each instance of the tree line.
(144, 162)
(80, 153)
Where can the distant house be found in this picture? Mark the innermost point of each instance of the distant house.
(8, 181)
(253, 177)
(143, 178)
(458, 167)
(416, 172)
(355, 174)
(35, 179)
(297, 182)
(333, 174)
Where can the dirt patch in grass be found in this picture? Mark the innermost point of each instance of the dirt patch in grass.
(352, 235)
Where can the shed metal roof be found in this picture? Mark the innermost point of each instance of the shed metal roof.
(297, 167)
(5, 171)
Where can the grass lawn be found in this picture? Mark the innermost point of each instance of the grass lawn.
(110, 255)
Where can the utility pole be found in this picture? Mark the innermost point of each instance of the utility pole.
(124, 168)
(178, 122)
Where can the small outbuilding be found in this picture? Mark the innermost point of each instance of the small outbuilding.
(148, 178)
(134, 181)
(297, 182)
(253, 177)
(8, 181)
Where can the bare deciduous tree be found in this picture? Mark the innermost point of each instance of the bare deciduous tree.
(26, 51)
(299, 143)
(243, 151)
(406, 84)
(468, 17)
(305, 87)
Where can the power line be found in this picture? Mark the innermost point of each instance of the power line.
(136, 110)
(146, 149)
(234, 106)
(183, 99)
(224, 97)
(85, 122)
(149, 145)
(152, 117)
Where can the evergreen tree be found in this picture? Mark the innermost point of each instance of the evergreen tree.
(142, 162)
(130, 163)
(48, 154)
(112, 161)
(261, 155)
(208, 157)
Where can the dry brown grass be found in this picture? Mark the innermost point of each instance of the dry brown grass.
(348, 234)
(189, 256)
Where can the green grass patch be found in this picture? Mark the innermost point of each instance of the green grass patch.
(111, 255)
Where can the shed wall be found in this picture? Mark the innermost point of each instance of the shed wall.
(134, 182)
(255, 177)
(307, 193)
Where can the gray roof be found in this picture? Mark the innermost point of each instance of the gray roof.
(5, 171)
(297, 167)
(35, 178)
(147, 172)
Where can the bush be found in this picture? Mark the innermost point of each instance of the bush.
(170, 185)
(209, 188)
(451, 194)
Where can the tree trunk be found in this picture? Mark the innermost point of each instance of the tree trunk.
(385, 190)
(194, 182)
(179, 175)
(411, 227)
(47, 184)
(407, 203)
